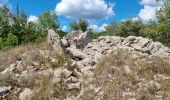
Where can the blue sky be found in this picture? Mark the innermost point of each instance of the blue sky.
(70, 10)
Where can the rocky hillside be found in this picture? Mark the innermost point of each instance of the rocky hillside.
(78, 67)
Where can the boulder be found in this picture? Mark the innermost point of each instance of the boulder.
(73, 34)
(79, 38)
(83, 39)
(54, 39)
(76, 54)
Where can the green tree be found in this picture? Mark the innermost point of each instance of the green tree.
(4, 21)
(49, 20)
(163, 27)
(19, 26)
(83, 24)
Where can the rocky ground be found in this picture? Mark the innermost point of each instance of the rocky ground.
(78, 67)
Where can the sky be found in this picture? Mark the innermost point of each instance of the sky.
(98, 13)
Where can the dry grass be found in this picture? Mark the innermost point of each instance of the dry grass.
(42, 86)
(46, 90)
(113, 64)
(9, 56)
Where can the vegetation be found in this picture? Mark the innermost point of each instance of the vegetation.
(81, 25)
(157, 30)
(16, 30)
(123, 69)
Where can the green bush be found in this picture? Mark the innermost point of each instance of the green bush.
(11, 40)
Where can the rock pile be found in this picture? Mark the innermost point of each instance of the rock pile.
(84, 54)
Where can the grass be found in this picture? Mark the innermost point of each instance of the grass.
(113, 64)
(9, 56)
(42, 86)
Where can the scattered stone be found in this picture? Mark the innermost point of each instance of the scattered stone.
(74, 86)
(4, 91)
(154, 86)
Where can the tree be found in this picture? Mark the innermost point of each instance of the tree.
(74, 26)
(4, 21)
(83, 24)
(49, 20)
(163, 27)
(19, 26)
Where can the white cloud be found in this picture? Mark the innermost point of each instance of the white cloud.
(148, 2)
(97, 28)
(149, 11)
(64, 28)
(89, 9)
(33, 19)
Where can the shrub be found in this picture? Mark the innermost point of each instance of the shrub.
(11, 40)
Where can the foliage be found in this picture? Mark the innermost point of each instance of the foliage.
(74, 26)
(49, 20)
(82, 24)
(61, 33)
(11, 40)
(16, 30)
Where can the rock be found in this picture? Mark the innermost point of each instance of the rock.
(9, 69)
(72, 80)
(143, 42)
(74, 86)
(127, 70)
(76, 53)
(86, 69)
(73, 34)
(161, 77)
(35, 64)
(64, 42)
(4, 91)
(83, 39)
(97, 89)
(21, 66)
(154, 86)
(23, 78)
(78, 38)
(26, 94)
(59, 71)
(54, 39)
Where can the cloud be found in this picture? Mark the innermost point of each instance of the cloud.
(149, 2)
(64, 28)
(33, 19)
(97, 28)
(3, 2)
(149, 11)
(89, 9)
